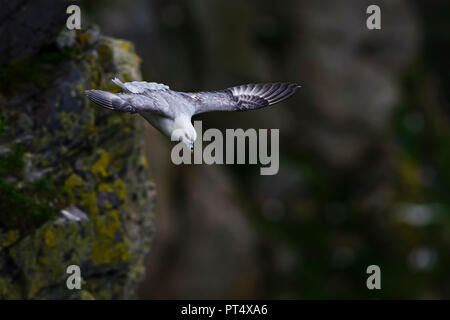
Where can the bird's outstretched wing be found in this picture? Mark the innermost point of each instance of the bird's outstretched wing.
(138, 98)
(126, 102)
(244, 97)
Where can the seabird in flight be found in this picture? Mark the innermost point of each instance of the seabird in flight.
(171, 111)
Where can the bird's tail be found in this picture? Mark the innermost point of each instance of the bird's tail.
(109, 100)
(120, 84)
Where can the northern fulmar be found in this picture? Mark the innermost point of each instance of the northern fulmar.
(171, 111)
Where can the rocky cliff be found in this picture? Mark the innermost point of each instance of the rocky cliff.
(75, 187)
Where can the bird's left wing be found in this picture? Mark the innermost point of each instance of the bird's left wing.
(127, 102)
(139, 97)
(244, 97)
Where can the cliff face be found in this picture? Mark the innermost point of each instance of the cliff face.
(74, 183)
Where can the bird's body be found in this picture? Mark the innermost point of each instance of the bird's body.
(171, 111)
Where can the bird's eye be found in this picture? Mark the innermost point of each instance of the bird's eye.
(180, 138)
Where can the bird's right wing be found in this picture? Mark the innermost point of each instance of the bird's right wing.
(127, 102)
(244, 97)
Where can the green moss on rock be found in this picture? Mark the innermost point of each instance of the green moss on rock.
(81, 158)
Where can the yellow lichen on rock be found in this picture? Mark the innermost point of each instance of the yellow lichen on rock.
(10, 238)
(87, 153)
(101, 166)
(111, 243)
(49, 237)
(86, 295)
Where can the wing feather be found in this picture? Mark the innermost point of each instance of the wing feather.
(125, 102)
(244, 97)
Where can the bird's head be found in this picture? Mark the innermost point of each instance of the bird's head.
(185, 132)
(187, 138)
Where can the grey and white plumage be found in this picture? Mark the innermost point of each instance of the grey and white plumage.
(171, 111)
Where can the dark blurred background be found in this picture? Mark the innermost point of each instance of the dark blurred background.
(364, 147)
